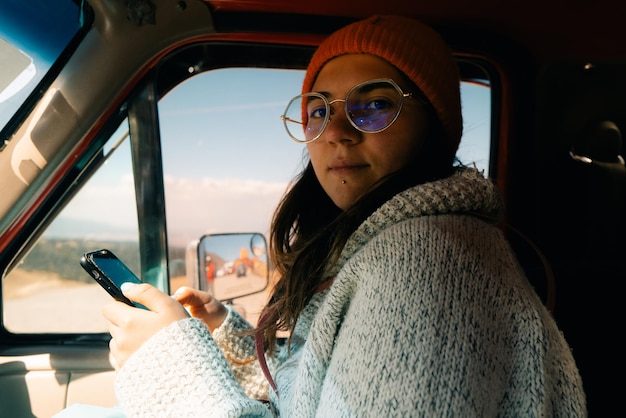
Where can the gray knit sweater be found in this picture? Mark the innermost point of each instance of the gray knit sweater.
(429, 315)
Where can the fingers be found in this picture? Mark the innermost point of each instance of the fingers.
(192, 297)
(147, 295)
(117, 313)
(120, 349)
(202, 305)
(130, 327)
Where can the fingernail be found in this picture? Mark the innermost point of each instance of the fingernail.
(126, 286)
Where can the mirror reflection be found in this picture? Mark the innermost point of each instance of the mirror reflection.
(234, 265)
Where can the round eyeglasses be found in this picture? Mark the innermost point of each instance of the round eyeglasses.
(371, 107)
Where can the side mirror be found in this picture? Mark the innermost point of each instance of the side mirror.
(230, 266)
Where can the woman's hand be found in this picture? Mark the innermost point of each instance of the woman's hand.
(202, 305)
(130, 327)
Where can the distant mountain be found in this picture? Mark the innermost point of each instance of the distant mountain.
(61, 256)
(87, 229)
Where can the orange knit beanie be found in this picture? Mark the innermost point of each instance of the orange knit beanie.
(413, 48)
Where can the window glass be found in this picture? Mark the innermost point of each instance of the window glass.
(32, 36)
(49, 292)
(227, 159)
(475, 146)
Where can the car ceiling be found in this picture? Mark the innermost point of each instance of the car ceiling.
(549, 29)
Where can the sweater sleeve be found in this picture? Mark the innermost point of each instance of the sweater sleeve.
(180, 372)
(240, 351)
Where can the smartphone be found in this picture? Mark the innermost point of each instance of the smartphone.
(110, 272)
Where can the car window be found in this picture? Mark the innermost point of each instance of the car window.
(30, 46)
(227, 158)
(475, 146)
(48, 291)
(226, 162)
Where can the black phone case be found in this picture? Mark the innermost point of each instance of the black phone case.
(103, 278)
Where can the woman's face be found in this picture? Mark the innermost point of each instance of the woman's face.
(346, 161)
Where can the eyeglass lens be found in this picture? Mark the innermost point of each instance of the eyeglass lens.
(371, 107)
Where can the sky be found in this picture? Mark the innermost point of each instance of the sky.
(227, 158)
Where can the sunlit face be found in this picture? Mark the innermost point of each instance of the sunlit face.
(348, 162)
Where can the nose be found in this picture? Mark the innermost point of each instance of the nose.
(339, 128)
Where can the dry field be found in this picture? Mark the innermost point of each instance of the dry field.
(38, 302)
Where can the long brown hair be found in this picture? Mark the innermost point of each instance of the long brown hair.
(308, 232)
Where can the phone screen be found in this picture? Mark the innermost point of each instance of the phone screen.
(110, 272)
(113, 268)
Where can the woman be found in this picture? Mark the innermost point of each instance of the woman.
(400, 294)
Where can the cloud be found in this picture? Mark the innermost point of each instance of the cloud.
(195, 207)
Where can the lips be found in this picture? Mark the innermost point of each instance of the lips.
(344, 168)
